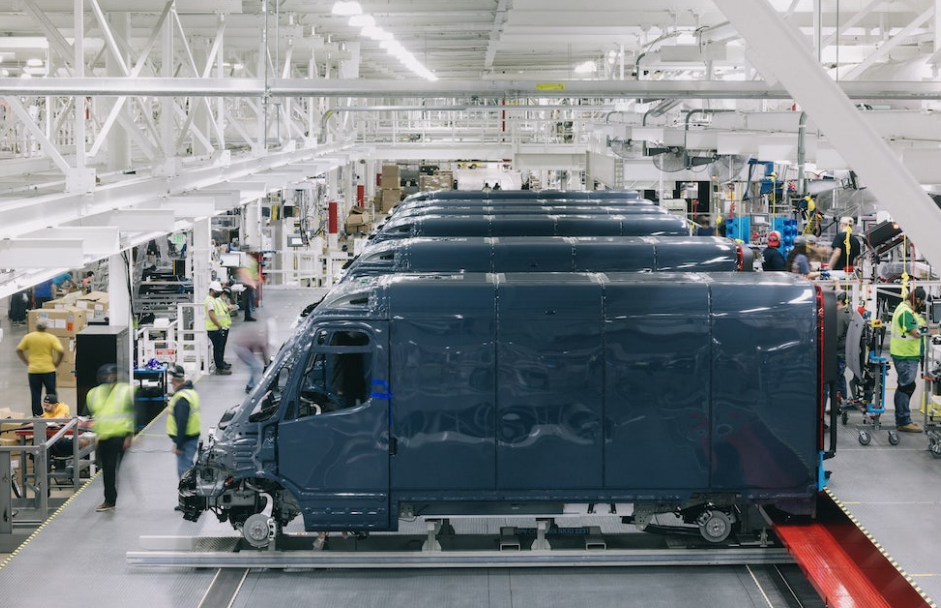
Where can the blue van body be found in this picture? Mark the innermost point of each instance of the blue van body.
(549, 254)
(657, 224)
(478, 209)
(460, 394)
(545, 195)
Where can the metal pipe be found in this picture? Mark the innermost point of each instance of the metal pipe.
(801, 151)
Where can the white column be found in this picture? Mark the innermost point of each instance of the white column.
(119, 300)
(782, 51)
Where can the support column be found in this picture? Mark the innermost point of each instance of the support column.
(120, 275)
(118, 149)
(201, 253)
(782, 51)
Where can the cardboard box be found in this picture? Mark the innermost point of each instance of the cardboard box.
(65, 374)
(435, 182)
(63, 302)
(68, 345)
(96, 303)
(63, 322)
(391, 197)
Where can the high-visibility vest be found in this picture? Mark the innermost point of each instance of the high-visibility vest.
(113, 409)
(222, 313)
(903, 344)
(193, 422)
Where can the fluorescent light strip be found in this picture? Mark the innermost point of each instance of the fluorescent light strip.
(370, 30)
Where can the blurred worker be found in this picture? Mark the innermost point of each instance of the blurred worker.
(62, 284)
(42, 293)
(846, 247)
(487, 187)
(218, 322)
(705, 229)
(42, 353)
(798, 260)
(183, 419)
(87, 281)
(112, 405)
(908, 329)
(251, 342)
(771, 258)
(247, 275)
(842, 327)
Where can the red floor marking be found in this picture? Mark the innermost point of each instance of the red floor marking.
(843, 564)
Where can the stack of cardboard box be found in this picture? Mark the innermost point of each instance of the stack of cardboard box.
(357, 221)
(7, 437)
(442, 180)
(63, 323)
(390, 188)
(96, 303)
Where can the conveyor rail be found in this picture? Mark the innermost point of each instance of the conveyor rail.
(177, 552)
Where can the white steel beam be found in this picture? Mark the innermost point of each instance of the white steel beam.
(885, 48)
(132, 220)
(155, 86)
(41, 253)
(793, 65)
(224, 199)
(48, 147)
(97, 241)
(190, 206)
(57, 41)
(851, 22)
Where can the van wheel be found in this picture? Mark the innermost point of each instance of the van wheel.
(715, 526)
(257, 529)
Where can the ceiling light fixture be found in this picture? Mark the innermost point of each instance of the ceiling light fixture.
(589, 67)
(361, 21)
(346, 9)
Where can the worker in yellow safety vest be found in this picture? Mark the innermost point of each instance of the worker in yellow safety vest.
(218, 322)
(908, 330)
(183, 419)
(111, 403)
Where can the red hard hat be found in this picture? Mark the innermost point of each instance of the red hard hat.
(774, 239)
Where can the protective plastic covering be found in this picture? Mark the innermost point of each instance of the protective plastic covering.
(470, 208)
(499, 195)
(546, 254)
(655, 388)
(657, 224)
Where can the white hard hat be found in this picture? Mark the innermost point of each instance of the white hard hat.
(216, 286)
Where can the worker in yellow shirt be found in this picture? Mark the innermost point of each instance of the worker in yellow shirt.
(41, 352)
(53, 408)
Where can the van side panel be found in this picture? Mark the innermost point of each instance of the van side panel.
(698, 254)
(764, 423)
(532, 255)
(526, 225)
(602, 256)
(657, 381)
(592, 225)
(653, 225)
(549, 384)
(455, 256)
(442, 380)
